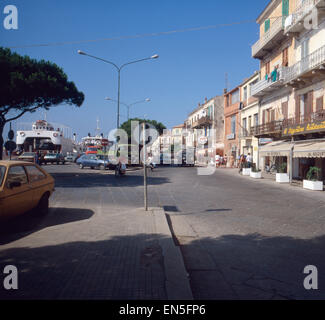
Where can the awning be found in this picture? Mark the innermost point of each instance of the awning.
(311, 149)
(276, 149)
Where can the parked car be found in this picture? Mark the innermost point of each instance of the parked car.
(70, 157)
(27, 156)
(23, 186)
(53, 158)
(93, 161)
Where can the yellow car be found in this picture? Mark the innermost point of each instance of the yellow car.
(23, 186)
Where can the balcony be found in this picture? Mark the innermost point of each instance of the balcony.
(267, 42)
(246, 133)
(311, 123)
(202, 122)
(306, 67)
(266, 86)
(295, 22)
(270, 129)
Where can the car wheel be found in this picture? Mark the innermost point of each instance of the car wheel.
(91, 167)
(63, 162)
(101, 167)
(81, 166)
(43, 206)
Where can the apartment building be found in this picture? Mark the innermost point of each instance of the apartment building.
(291, 88)
(232, 105)
(249, 118)
(205, 130)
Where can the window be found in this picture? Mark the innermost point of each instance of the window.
(285, 9)
(16, 174)
(267, 25)
(233, 124)
(319, 106)
(285, 57)
(245, 94)
(256, 119)
(267, 68)
(304, 49)
(34, 173)
(244, 123)
(2, 173)
(235, 97)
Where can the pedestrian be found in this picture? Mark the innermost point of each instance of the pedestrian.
(217, 160)
(232, 161)
(249, 160)
(241, 164)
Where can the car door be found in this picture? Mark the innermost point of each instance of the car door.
(17, 199)
(39, 183)
(93, 161)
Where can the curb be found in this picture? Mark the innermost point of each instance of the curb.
(177, 281)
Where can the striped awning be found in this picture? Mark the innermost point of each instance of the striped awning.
(310, 149)
(276, 149)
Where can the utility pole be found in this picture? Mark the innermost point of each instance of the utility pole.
(145, 167)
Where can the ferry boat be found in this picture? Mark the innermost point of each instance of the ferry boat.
(44, 137)
(95, 144)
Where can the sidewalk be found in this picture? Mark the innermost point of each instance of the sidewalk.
(125, 254)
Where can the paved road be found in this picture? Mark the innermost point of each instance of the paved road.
(240, 238)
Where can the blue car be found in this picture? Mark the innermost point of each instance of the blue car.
(93, 161)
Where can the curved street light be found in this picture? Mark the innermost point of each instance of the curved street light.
(129, 105)
(118, 68)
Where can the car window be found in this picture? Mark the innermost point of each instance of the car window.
(34, 173)
(93, 157)
(2, 173)
(16, 174)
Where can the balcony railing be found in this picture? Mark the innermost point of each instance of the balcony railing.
(267, 129)
(201, 122)
(266, 86)
(312, 61)
(265, 42)
(294, 22)
(318, 116)
(246, 133)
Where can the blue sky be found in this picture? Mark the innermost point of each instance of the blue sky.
(192, 65)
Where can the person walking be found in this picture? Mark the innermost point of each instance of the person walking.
(217, 160)
(249, 160)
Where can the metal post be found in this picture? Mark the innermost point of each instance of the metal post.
(118, 98)
(145, 167)
(291, 161)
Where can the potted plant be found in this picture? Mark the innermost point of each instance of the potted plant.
(246, 170)
(255, 172)
(282, 176)
(313, 181)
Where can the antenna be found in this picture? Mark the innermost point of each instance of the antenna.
(226, 81)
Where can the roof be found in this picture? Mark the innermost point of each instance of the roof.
(179, 126)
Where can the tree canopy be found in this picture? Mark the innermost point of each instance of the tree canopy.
(126, 126)
(28, 84)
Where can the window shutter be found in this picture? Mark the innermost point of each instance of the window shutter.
(320, 103)
(267, 25)
(297, 114)
(285, 110)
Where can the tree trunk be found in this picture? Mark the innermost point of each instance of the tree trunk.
(2, 125)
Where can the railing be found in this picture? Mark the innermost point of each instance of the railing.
(315, 59)
(205, 120)
(276, 27)
(246, 132)
(264, 84)
(317, 116)
(267, 128)
(302, 11)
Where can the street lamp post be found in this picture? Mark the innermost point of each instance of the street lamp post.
(118, 68)
(128, 106)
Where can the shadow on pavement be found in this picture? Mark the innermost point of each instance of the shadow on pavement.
(28, 223)
(122, 267)
(89, 180)
(229, 267)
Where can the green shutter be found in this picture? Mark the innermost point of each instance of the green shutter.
(267, 25)
(285, 8)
